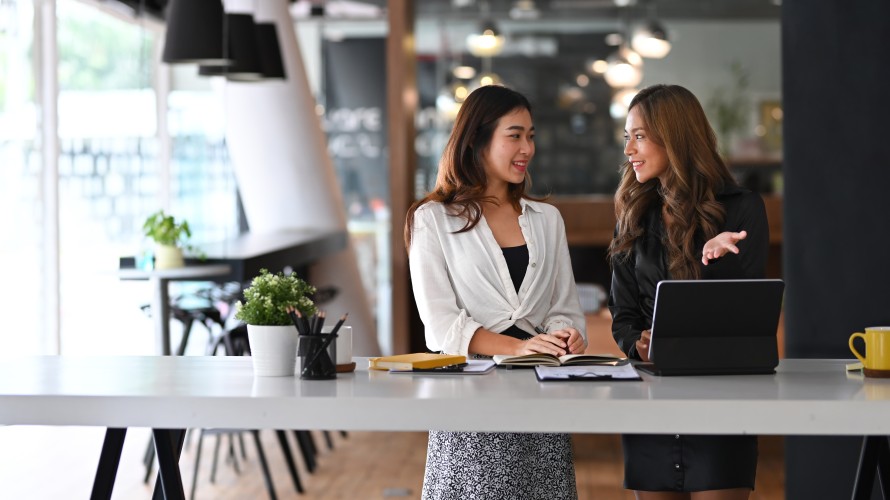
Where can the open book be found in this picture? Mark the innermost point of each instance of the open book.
(542, 359)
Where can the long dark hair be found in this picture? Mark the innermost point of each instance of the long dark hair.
(461, 181)
(675, 120)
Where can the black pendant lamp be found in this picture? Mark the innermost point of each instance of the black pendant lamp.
(270, 50)
(254, 49)
(195, 33)
(242, 49)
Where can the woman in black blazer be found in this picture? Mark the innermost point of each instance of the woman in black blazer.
(680, 215)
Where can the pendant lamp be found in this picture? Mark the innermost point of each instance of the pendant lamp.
(251, 62)
(270, 50)
(625, 69)
(195, 33)
(489, 42)
(652, 41)
(242, 48)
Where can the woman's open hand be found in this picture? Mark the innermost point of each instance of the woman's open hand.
(719, 245)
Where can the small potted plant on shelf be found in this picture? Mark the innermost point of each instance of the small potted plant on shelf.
(270, 331)
(170, 239)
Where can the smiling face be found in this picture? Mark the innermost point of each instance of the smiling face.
(512, 147)
(648, 159)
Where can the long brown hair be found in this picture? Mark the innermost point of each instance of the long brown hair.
(675, 120)
(461, 181)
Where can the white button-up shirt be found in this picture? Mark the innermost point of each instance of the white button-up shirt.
(461, 281)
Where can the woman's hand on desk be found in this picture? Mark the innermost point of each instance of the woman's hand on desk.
(572, 338)
(643, 345)
(543, 342)
(720, 245)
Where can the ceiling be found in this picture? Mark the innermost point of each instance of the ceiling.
(530, 10)
(573, 9)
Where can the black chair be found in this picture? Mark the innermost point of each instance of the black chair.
(212, 305)
(235, 343)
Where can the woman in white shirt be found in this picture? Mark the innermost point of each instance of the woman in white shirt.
(491, 274)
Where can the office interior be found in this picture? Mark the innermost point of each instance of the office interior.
(98, 132)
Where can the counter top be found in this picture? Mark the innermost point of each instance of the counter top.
(805, 397)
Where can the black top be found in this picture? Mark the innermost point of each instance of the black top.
(517, 263)
(632, 297)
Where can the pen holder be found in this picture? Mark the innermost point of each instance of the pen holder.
(317, 354)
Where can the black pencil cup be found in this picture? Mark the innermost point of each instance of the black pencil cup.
(318, 354)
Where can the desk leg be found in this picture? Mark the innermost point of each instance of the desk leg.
(884, 466)
(160, 314)
(109, 460)
(875, 458)
(168, 445)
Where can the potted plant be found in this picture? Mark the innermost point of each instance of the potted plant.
(730, 107)
(270, 331)
(170, 238)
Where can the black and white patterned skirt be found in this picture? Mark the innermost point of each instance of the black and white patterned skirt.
(499, 465)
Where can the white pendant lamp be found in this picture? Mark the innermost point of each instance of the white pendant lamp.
(625, 69)
(651, 41)
(489, 42)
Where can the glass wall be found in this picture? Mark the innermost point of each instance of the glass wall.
(21, 169)
(202, 182)
(133, 137)
(124, 156)
(108, 173)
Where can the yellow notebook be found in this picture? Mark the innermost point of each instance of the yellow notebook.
(418, 360)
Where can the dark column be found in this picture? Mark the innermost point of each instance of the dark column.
(836, 76)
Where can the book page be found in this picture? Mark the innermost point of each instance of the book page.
(591, 359)
(526, 359)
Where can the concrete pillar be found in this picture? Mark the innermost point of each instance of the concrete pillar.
(284, 173)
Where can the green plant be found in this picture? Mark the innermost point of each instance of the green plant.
(269, 295)
(164, 229)
(730, 106)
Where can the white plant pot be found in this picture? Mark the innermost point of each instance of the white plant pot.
(273, 349)
(168, 257)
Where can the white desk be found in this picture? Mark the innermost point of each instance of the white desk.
(805, 397)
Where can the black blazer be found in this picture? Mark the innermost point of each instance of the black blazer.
(632, 296)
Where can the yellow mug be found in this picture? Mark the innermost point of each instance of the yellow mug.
(877, 348)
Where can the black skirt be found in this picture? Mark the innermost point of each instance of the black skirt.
(658, 462)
